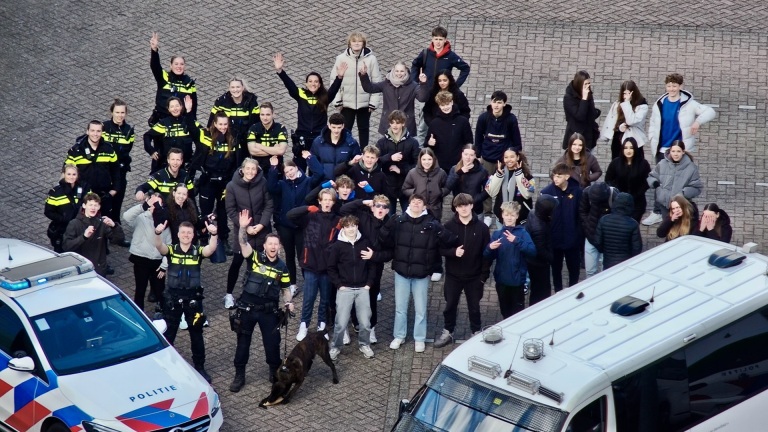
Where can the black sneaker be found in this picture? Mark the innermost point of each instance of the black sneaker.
(110, 271)
(124, 243)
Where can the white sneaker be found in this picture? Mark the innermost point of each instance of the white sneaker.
(183, 324)
(396, 342)
(302, 332)
(372, 338)
(436, 277)
(229, 301)
(652, 219)
(205, 324)
(321, 327)
(293, 290)
(378, 297)
(419, 346)
(347, 340)
(488, 220)
(367, 351)
(334, 353)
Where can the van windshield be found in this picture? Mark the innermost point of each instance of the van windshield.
(455, 402)
(95, 335)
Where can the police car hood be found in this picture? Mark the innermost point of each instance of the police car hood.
(155, 391)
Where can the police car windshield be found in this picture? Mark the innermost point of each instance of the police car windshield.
(95, 335)
(453, 402)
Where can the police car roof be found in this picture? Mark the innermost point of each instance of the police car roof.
(54, 294)
(593, 346)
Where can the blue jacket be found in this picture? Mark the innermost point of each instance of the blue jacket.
(511, 267)
(289, 194)
(565, 227)
(330, 155)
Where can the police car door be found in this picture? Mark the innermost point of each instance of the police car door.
(18, 389)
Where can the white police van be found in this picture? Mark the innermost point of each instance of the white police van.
(675, 339)
(76, 354)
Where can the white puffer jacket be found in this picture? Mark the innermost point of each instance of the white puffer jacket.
(351, 94)
(690, 111)
(634, 119)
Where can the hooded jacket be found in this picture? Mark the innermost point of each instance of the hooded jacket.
(511, 267)
(631, 179)
(726, 231)
(617, 234)
(94, 247)
(241, 115)
(565, 228)
(429, 184)
(375, 177)
(580, 116)
(345, 266)
(395, 98)
(674, 178)
(408, 147)
(431, 62)
(690, 111)
(595, 203)
(252, 196)
(452, 131)
(494, 135)
(471, 182)
(538, 226)
(352, 95)
(369, 225)
(329, 155)
(473, 236)
(320, 230)
(415, 241)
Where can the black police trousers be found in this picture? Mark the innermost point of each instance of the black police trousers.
(172, 313)
(270, 336)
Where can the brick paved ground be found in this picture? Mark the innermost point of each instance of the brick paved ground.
(61, 63)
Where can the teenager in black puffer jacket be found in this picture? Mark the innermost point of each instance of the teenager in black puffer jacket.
(538, 226)
(618, 234)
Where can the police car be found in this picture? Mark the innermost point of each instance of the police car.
(76, 354)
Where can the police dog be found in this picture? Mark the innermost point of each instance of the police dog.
(293, 371)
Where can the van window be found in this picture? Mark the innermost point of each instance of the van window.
(697, 382)
(591, 418)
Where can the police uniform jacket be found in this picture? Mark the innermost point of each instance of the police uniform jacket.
(276, 134)
(241, 115)
(163, 181)
(213, 157)
(169, 85)
(264, 279)
(170, 132)
(183, 275)
(63, 204)
(311, 119)
(121, 138)
(98, 167)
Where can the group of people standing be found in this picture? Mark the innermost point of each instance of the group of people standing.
(333, 205)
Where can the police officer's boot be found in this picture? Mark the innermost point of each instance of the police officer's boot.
(201, 370)
(239, 381)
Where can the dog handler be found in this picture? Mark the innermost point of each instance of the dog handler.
(265, 280)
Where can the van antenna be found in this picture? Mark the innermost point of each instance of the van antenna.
(509, 369)
(552, 341)
(10, 258)
(653, 294)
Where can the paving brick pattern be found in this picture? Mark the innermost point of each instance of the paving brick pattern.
(62, 62)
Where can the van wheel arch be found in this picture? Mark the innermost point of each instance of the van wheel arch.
(54, 425)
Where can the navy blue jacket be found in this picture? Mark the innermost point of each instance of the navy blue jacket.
(428, 62)
(511, 267)
(565, 227)
(330, 155)
(495, 135)
(289, 194)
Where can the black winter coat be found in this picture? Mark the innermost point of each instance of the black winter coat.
(429, 184)
(451, 132)
(320, 230)
(369, 226)
(415, 242)
(471, 182)
(726, 231)
(538, 227)
(427, 94)
(474, 237)
(409, 147)
(345, 266)
(580, 116)
(595, 203)
(618, 235)
(631, 179)
(493, 136)
(375, 177)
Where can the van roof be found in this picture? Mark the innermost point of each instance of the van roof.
(592, 346)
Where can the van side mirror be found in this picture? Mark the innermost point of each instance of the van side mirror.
(405, 405)
(160, 325)
(23, 364)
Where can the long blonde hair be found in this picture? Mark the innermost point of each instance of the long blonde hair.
(681, 226)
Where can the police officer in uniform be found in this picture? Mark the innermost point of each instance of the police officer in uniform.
(266, 282)
(184, 291)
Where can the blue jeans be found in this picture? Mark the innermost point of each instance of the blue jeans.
(592, 258)
(345, 298)
(403, 289)
(314, 282)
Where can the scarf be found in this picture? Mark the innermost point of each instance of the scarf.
(394, 81)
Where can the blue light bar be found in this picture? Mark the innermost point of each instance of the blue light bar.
(15, 286)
